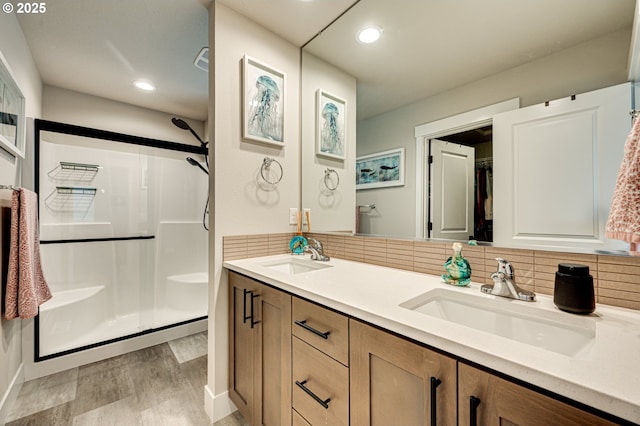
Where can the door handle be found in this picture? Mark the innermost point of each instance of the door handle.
(434, 394)
(244, 305)
(253, 321)
(473, 410)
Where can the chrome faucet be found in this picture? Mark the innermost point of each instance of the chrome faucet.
(504, 284)
(317, 251)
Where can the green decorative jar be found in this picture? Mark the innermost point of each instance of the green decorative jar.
(457, 267)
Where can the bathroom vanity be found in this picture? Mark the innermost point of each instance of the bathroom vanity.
(343, 342)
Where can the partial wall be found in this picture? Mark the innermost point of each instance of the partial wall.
(241, 201)
(16, 51)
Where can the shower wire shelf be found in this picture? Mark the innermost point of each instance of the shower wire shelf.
(73, 172)
(70, 199)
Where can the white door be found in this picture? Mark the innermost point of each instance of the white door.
(555, 167)
(451, 190)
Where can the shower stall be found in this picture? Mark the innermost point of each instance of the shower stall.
(123, 245)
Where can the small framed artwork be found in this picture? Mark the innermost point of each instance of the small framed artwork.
(12, 114)
(380, 170)
(331, 119)
(263, 102)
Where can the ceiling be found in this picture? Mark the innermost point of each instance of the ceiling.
(99, 47)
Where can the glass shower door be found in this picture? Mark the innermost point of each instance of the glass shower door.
(122, 243)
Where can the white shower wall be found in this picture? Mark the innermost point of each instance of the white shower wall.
(122, 286)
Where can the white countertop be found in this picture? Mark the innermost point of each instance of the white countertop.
(605, 375)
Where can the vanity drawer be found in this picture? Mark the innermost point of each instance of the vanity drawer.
(320, 386)
(323, 329)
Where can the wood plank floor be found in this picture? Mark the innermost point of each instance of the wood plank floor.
(160, 385)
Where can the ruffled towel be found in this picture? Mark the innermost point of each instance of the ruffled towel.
(26, 286)
(624, 216)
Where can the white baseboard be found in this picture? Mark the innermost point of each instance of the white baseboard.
(10, 396)
(217, 406)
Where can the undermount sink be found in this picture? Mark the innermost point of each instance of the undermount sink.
(554, 331)
(293, 266)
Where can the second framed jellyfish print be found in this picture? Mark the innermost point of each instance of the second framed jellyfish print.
(263, 102)
(331, 132)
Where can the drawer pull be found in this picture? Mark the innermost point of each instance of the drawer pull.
(434, 385)
(304, 325)
(302, 386)
(473, 410)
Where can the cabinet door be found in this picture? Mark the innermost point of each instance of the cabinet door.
(242, 344)
(554, 169)
(500, 402)
(391, 381)
(274, 359)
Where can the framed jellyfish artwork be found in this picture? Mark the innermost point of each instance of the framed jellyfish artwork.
(380, 170)
(331, 129)
(263, 102)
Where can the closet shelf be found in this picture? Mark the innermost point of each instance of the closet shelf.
(73, 172)
(70, 199)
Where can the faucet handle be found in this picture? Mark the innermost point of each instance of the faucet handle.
(504, 267)
(316, 243)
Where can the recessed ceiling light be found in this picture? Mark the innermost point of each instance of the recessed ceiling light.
(369, 34)
(144, 85)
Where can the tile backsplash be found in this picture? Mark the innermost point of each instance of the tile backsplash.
(616, 278)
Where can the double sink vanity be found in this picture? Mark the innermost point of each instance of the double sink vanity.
(343, 342)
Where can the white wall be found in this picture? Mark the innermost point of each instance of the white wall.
(330, 210)
(589, 66)
(67, 106)
(15, 50)
(241, 206)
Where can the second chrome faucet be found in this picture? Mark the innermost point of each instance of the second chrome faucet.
(504, 284)
(316, 250)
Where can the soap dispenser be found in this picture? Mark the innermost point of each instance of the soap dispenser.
(573, 290)
(457, 267)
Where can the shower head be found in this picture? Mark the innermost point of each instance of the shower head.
(193, 162)
(185, 126)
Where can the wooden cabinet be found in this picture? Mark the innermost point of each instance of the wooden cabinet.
(485, 399)
(259, 351)
(320, 364)
(292, 362)
(396, 382)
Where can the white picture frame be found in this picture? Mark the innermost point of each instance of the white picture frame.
(380, 170)
(12, 112)
(263, 93)
(331, 125)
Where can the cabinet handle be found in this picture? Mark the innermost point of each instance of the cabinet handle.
(434, 385)
(244, 306)
(304, 325)
(302, 386)
(473, 410)
(253, 321)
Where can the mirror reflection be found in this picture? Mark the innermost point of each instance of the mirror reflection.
(438, 60)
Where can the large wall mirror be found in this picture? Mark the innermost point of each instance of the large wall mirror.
(436, 60)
